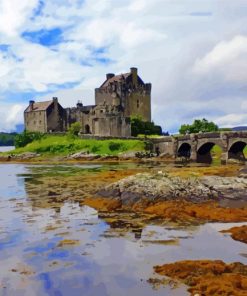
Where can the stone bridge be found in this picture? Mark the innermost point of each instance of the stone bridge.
(197, 147)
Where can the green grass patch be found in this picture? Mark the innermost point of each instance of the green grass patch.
(216, 151)
(150, 136)
(64, 145)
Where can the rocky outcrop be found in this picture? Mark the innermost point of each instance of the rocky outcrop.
(83, 156)
(5, 158)
(24, 156)
(162, 187)
(243, 172)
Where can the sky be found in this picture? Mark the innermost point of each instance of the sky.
(194, 52)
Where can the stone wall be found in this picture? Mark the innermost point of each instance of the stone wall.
(35, 121)
(138, 103)
(55, 116)
(112, 126)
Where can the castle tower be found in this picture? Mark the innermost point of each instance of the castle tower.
(129, 91)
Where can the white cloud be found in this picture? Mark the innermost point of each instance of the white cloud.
(227, 58)
(11, 115)
(137, 5)
(197, 64)
(232, 120)
(13, 14)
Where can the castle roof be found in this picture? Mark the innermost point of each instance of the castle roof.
(39, 106)
(116, 78)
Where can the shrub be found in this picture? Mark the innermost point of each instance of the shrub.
(114, 146)
(148, 146)
(95, 148)
(138, 126)
(74, 129)
(22, 139)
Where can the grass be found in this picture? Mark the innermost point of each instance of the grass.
(150, 136)
(64, 145)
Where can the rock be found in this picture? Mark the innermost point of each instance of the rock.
(83, 156)
(227, 187)
(162, 187)
(127, 155)
(235, 161)
(243, 172)
(77, 155)
(109, 157)
(25, 155)
(5, 157)
(165, 155)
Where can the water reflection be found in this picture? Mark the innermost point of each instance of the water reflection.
(50, 244)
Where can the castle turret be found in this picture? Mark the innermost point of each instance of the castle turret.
(109, 76)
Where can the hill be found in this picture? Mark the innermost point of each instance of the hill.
(240, 128)
(7, 139)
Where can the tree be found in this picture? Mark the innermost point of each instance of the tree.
(198, 126)
(140, 127)
(74, 129)
(7, 139)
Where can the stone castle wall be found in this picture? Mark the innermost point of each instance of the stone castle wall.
(35, 121)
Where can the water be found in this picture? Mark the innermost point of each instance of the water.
(6, 148)
(54, 246)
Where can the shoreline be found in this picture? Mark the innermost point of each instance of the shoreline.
(53, 190)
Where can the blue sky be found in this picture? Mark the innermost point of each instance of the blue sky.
(194, 52)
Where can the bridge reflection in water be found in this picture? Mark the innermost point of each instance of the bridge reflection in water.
(197, 147)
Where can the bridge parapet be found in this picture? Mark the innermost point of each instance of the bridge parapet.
(161, 140)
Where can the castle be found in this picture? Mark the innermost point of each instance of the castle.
(116, 100)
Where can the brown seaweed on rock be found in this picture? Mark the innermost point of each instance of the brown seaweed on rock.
(238, 233)
(208, 278)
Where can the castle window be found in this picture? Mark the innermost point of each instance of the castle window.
(40, 122)
(101, 111)
(137, 103)
(34, 122)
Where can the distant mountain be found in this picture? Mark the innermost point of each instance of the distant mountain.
(19, 128)
(240, 128)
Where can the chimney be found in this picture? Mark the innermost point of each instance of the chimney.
(55, 100)
(134, 74)
(31, 103)
(109, 75)
(79, 104)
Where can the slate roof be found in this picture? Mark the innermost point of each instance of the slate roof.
(39, 106)
(115, 78)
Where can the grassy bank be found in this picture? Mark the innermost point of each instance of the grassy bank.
(64, 145)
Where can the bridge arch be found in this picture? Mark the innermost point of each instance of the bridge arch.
(236, 150)
(204, 152)
(184, 150)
